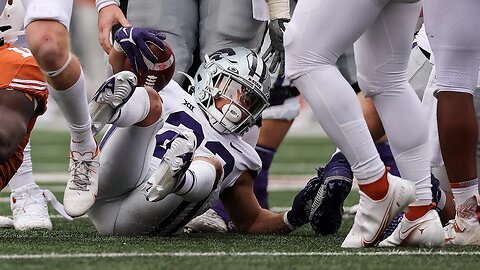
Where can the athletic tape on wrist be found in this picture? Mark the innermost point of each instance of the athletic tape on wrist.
(279, 9)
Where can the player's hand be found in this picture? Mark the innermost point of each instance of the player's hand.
(302, 204)
(133, 42)
(276, 28)
(107, 17)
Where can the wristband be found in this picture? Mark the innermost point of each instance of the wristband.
(103, 3)
(289, 225)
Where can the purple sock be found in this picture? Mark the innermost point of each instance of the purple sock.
(218, 207)
(387, 157)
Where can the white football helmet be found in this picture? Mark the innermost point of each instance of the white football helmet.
(11, 21)
(232, 87)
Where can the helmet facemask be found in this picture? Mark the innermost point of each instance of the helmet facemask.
(11, 21)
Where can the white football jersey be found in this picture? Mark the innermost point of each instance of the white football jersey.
(180, 112)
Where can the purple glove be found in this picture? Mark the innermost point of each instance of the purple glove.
(133, 41)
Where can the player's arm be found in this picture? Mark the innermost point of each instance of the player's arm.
(246, 213)
(109, 14)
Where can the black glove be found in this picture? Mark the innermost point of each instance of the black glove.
(302, 204)
(133, 41)
(276, 28)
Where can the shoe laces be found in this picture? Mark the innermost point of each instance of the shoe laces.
(81, 169)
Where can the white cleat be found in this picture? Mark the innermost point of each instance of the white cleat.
(465, 228)
(175, 162)
(30, 209)
(373, 216)
(82, 186)
(208, 222)
(426, 231)
(109, 98)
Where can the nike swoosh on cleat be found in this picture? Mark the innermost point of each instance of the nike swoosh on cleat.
(404, 234)
(383, 225)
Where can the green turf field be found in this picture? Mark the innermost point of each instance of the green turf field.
(76, 245)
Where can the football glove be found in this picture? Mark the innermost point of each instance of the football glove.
(276, 28)
(133, 42)
(300, 213)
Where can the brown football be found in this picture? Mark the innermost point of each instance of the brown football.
(159, 74)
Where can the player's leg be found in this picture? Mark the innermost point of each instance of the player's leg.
(47, 36)
(336, 106)
(125, 164)
(117, 213)
(178, 20)
(382, 60)
(16, 111)
(455, 45)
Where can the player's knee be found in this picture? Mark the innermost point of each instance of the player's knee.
(49, 50)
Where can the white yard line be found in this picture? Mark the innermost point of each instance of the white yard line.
(276, 182)
(239, 254)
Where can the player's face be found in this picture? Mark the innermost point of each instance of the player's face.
(234, 91)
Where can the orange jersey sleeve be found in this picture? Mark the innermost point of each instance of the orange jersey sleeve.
(19, 71)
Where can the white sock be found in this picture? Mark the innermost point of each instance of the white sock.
(74, 106)
(198, 181)
(135, 110)
(24, 175)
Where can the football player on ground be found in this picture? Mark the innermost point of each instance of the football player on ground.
(381, 67)
(22, 75)
(169, 155)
